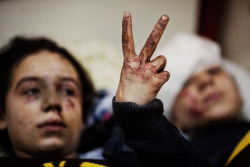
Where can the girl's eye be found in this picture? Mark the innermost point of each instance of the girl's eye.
(32, 91)
(187, 83)
(68, 92)
(214, 71)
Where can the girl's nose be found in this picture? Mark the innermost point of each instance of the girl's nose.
(51, 102)
(204, 80)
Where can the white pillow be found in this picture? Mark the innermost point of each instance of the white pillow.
(242, 78)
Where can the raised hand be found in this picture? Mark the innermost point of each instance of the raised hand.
(141, 79)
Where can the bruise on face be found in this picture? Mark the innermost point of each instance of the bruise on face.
(69, 104)
(186, 94)
(194, 108)
(69, 88)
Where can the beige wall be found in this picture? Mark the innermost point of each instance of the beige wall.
(93, 18)
(91, 29)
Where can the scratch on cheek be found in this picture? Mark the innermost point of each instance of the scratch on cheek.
(186, 94)
(182, 93)
(69, 104)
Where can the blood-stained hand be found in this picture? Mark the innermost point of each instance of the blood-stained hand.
(141, 79)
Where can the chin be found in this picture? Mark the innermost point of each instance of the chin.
(220, 113)
(52, 144)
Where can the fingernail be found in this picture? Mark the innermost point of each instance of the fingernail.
(126, 13)
(164, 18)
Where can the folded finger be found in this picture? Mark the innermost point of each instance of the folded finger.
(158, 64)
(163, 76)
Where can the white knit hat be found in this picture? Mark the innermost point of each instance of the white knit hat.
(188, 54)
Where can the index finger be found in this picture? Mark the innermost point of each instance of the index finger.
(127, 36)
(153, 39)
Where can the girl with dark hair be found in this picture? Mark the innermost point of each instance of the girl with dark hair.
(45, 95)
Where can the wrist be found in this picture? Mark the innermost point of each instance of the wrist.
(139, 100)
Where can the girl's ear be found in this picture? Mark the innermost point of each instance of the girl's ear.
(2, 120)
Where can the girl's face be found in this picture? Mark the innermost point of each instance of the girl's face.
(43, 107)
(210, 96)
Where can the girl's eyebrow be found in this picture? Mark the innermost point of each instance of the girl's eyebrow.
(25, 79)
(68, 79)
(37, 79)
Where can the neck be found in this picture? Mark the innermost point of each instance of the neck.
(50, 155)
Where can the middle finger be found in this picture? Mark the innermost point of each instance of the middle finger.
(153, 39)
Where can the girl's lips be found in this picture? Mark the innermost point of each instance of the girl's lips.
(213, 97)
(52, 126)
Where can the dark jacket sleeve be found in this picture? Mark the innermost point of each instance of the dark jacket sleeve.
(155, 140)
